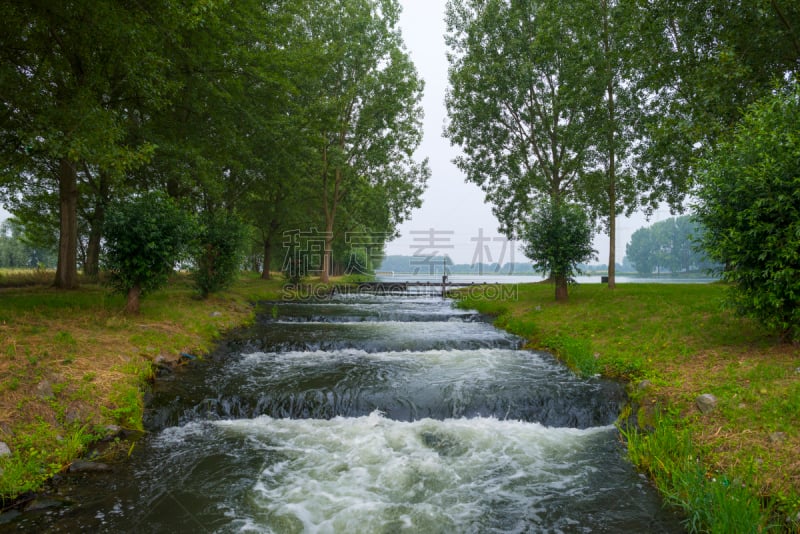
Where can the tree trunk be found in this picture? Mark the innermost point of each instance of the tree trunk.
(265, 275)
(91, 266)
(612, 164)
(561, 288)
(134, 295)
(67, 268)
(612, 245)
(326, 254)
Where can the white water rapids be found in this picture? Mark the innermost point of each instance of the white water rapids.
(368, 415)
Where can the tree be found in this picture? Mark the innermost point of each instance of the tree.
(642, 251)
(558, 237)
(518, 102)
(750, 204)
(218, 256)
(608, 184)
(669, 245)
(145, 237)
(71, 74)
(701, 63)
(365, 111)
(13, 252)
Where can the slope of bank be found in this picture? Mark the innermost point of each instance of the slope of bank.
(74, 367)
(732, 465)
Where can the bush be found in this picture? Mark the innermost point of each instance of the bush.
(220, 251)
(557, 238)
(750, 204)
(145, 237)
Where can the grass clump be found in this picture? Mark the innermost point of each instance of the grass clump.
(736, 466)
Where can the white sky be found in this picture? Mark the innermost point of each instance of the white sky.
(453, 209)
(450, 204)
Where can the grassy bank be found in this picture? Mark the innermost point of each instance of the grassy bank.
(73, 367)
(735, 469)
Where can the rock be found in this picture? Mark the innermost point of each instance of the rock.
(216, 314)
(778, 437)
(8, 517)
(112, 431)
(43, 503)
(5, 450)
(706, 403)
(75, 414)
(82, 466)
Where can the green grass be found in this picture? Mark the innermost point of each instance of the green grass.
(734, 470)
(72, 362)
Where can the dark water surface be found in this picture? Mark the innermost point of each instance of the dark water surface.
(367, 414)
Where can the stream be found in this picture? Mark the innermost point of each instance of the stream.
(369, 414)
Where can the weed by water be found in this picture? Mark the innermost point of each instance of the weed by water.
(576, 353)
(710, 502)
(39, 452)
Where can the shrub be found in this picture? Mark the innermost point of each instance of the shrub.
(750, 204)
(145, 237)
(557, 238)
(220, 251)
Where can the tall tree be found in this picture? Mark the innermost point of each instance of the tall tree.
(609, 185)
(66, 71)
(519, 102)
(367, 104)
(701, 63)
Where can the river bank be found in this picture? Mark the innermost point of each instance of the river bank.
(369, 413)
(733, 465)
(74, 367)
(74, 371)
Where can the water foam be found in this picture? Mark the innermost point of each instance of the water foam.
(374, 474)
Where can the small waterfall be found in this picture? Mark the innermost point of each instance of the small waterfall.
(373, 414)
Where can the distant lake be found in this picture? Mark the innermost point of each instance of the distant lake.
(527, 279)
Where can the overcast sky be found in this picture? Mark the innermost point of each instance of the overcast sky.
(450, 204)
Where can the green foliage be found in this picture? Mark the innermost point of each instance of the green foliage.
(669, 245)
(366, 127)
(17, 249)
(704, 62)
(219, 252)
(750, 204)
(145, 238)
(558, 237)
(519, 101)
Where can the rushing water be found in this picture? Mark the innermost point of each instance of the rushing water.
(371, 415)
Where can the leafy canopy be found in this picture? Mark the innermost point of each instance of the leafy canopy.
(750, 205)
